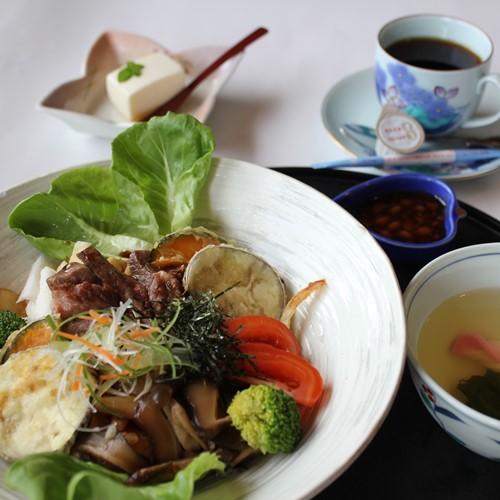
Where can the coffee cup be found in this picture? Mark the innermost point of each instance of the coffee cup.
(435, 69)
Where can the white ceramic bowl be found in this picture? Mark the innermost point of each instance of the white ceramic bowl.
(353, 330)
(458, 271)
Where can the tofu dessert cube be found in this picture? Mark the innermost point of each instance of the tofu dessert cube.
(160, 78)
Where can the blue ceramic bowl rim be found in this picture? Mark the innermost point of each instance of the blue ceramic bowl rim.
(450, 213)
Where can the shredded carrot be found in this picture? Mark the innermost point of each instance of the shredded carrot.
(112, 376)
(139, 334)
(75, 386)
(137, 361)
(103, 352)
(102, 319)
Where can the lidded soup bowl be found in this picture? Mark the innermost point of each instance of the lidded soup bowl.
(469, 268)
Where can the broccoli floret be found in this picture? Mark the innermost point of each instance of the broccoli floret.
(9, 322)
(267, 418)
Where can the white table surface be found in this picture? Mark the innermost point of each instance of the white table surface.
(268, 113)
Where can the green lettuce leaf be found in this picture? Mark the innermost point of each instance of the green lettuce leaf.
(91, 204)
(55, 476)
(169, 158)
(158, 169)
(46, 475)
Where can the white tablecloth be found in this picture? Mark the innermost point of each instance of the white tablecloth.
(269, 112)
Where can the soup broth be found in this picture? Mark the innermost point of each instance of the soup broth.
(476, 311)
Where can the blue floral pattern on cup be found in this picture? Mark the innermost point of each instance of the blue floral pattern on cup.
(398, 86)
(380, 81)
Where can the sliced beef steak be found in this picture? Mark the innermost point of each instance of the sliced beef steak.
(75, 288)
(72, 274)
(125, 286)
(97, 284)
(162, 286)
(139, 267)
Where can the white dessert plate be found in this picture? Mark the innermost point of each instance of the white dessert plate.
(353, 101)
(353, 330)
(83, 103)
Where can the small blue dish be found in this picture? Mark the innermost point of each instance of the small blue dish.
(355, 197)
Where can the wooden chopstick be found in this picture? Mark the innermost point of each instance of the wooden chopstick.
(175, 102)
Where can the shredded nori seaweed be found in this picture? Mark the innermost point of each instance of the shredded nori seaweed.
(201, 325)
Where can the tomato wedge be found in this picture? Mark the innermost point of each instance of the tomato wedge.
(286, 370)
(264, 329)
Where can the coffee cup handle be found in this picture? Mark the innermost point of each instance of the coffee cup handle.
(484, 120)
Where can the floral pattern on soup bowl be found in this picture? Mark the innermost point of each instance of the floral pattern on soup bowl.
(455, 272)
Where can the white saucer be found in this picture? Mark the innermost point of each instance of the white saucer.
(353, 100)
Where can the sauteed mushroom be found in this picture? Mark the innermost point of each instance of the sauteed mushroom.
(148, 415)
(203, 396)
(115, 452)
(183, 427)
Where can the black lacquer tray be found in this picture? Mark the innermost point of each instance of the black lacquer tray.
(411, 457)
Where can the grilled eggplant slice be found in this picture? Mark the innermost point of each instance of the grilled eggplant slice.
(247, 284)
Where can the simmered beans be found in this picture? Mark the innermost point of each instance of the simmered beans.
(405, 216)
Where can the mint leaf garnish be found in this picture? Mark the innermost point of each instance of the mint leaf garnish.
(131, 69)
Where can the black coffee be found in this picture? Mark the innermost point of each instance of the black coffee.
(433, 53)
